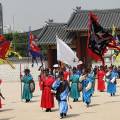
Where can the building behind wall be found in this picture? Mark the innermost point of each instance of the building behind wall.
(75, 32)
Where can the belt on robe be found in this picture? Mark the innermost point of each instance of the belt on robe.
(64, 100)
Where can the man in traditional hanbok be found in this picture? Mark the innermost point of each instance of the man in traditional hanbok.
(26, 79)
(101, 82)
(87, 84)
(92, 76)
(111, 76)
(62, 89)
(74, 92)
(47, 98)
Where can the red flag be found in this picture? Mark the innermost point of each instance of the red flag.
(4, 47)
(33, 46)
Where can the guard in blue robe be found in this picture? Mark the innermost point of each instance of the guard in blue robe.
(111, 82)
(87, 90)
(92, 76)
(27, 95)
(74, 92)
(62, 91)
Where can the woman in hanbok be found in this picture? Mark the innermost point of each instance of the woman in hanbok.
(74, 92)
(111, 77)
(26, 79)
(47, 98)
(87, 86)
(62, 89)
(101, 81)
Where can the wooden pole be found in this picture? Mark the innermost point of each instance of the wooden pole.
(21, 81)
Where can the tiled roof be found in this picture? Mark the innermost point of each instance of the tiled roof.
(49, 32)
(36, 32)
(79, 19)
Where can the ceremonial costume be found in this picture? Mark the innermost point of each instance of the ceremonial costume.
(87, 89)
(74, 92)
(27, 95)
(111, 82)
(47, 98)
(101, 82)
(62, 91)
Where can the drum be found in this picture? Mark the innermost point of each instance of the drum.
(32, 86)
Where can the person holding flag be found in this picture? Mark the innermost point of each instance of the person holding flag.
(62, 88)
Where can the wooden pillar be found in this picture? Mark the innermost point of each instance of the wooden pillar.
(78, 46)
(81, 48)
(50, 57)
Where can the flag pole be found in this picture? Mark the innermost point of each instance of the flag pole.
(28, 45)
(21, 81)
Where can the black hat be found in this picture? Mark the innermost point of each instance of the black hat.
(27, 70)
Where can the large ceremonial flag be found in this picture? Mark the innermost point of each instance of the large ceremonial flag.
(98, 39)
(33, 47)
(4, 50)
(4, 47)
(65, 54)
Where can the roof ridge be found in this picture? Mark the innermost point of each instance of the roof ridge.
(55, 24)
(97, 10)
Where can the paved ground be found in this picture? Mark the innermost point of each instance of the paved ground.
(103, 107)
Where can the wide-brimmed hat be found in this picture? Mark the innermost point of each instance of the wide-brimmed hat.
(27, 70)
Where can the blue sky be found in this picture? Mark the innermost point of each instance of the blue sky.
(34, 13)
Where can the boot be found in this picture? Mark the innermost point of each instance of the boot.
(61, 115)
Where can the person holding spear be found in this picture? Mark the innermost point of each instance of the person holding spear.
(27, 79)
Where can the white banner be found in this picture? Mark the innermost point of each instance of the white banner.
(66, 55)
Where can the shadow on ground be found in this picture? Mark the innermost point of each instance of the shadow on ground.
(111, 102)
(10, 118)
(54, 110)
(5, 110)
(72, 115)
(33, 101)
(93, 105)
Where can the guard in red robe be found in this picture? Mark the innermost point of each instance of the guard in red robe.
(47, 98)
(66, 74)
(101, 82)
